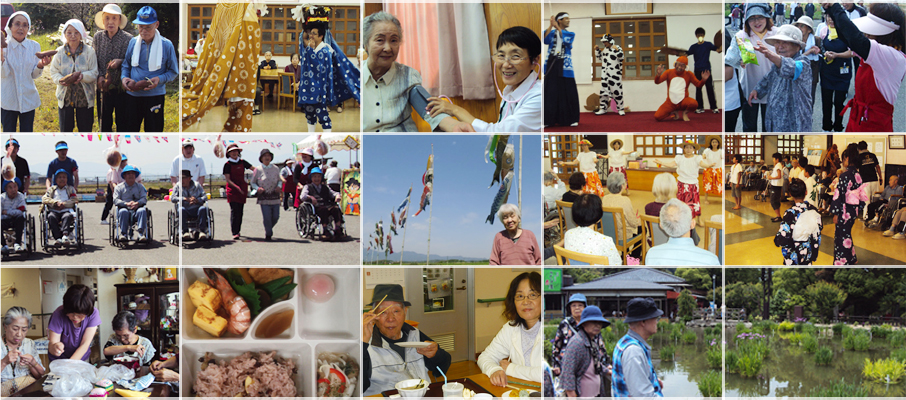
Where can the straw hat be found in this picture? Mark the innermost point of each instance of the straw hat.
(709, 138)
(690, 143)
(615, 141)
(110, 9)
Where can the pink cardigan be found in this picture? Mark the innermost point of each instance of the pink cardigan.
(524, 252)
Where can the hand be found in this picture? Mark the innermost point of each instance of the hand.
(137, 348)
(102, 83)
(609, 370)
(193, 201)
(338, 199)
(368, 325)
(429, 351)
(504, 363)
(813, 50)
(830, 55)
(166, 375)
(12, 356)
(706, 75)
(498, 378)
(44, 62)
(556, 371)
(436, 106)
(154, 82)
(314, 201)
(597, 48)
(827, 4)
(128, 83)
(156, 366)
(659, 70)
(27, 359)
(752, 96)
(835, 220)
(114, 64)
(77, 77)
(463, 127)
(554, 23)
(661, 383)
(57, 349)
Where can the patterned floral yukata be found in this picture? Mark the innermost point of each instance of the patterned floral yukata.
(847, 204)
(796, 252)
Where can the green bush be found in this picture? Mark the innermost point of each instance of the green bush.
(741, 326)
(667, 353)
(749, 364)
(786, 326)
(796, 338)
(676, 331)
(689, 337)
(619, 326)
(710, 384)
(899, 355)
(809, 343)
(663, 326)
(897, 338)
(550, 331)
(881, 332)
(839, 389)
(887, 370)
(808, 328)
(714, 356)
(838, 328)
(862, 342)
(732, 358)
(548, 350)
(554, 321)
(824, 356)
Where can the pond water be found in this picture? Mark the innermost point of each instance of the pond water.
(789, 371)
(681, 375)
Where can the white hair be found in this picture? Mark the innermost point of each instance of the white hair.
(676, 218)
(380, 16)
(508, 209)
(615, 182)
(15, 313)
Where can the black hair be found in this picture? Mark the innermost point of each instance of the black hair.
(510, 311)
(559, 14)
(576, 181)
(803, 161)
(810, 169)
(863, 145)
(587, 209)
(786, 158)
(699, 31)
(851, 154)
(320, 26)
(294, 54)
(797, 188)
(777, 156)
(523, 38)
(353, 181)
(79, 299)
(891, 12)
(739, 157)
(124, 319)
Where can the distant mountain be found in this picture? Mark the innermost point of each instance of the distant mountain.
(411, 256)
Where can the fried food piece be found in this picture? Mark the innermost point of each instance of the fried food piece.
(265, 275)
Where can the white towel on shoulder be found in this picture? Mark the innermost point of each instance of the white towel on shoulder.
(806, 225)
(155, 54)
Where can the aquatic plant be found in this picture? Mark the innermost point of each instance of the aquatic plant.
(839, 389)
(899, 355)
(897, 338)
(824, 356)
(887, 370)
(786, 326)
(809, 343)
(676, 332)
(862, 342)
(838, 328)
(749, 364)
(741, 326)
(796, 338)
(667, 353)
(714, 356)
(710, 384)
(752, 343)
(689, 337)
(882, 331)
(732, 358)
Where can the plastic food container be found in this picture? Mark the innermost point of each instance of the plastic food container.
(316, 328)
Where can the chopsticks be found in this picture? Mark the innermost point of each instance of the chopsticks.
(379, 304)
(523, 384)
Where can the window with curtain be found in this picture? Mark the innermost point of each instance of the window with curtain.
(659, 145)
(750, 147)
(560, 149)
(640, 39)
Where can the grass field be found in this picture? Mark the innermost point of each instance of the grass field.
(47, 119)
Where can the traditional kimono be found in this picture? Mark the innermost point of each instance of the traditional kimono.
(798, 247)
(788, 89)
(677, 92)
(847, 203)
(561, 97)
(228, 68)
(328, 78)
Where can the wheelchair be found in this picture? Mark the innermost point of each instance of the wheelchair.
(114, 231)
(28, 238)
(78, 229)
(309, 225)
(886, 213)
(174, 228)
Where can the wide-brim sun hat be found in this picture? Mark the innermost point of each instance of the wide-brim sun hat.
(807, 21)
(306, 150)
(263, 152)
(620, 141)
(787, 33)
(130, 168)
(110, 9)
(709, 138)
(641, 309)
(690, 143)
(757, 9)
(233, 146)
(593, 314)
(577, 297)
(585, 142)
(875, 25)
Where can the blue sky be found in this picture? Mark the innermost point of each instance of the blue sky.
(462, 199)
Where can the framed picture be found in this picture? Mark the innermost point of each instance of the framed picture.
(621, 8)
(896, 142)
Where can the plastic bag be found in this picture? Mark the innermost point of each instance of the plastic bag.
(112, 154)
(115, 373)
(747, 51)
(219, 150)
(320, 147)
(76, 378)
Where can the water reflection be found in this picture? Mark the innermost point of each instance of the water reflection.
(690, 362)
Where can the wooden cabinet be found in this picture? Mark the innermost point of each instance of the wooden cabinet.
(156, 308)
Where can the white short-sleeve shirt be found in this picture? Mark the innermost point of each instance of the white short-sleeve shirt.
(687, 168)
(194, 164)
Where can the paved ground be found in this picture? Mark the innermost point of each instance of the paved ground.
(287, 248)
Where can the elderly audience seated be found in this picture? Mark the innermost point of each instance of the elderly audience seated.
(676, 221)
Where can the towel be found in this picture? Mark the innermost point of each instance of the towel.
(806, 226)
(155, 54)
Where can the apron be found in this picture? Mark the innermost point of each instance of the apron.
(870, 111)
(237, 176)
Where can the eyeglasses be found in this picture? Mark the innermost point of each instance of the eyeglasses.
(502, 58)
(532, 296)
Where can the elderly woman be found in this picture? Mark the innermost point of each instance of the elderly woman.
(385, 326)
(19, 97)
(390, 85)
(517, 350)
(553, 190)
(110, 44)
(664, 188)
(125, 340)
(20, 356)
(585, 370)
(616, 183)
(587, 212)
(514, 245)
(568, 328)
(576, 187)
(74, 69)
(72, 326)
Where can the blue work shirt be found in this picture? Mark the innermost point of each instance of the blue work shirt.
(69, 165)
(166, 73)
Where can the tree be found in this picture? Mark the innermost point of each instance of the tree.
(744, 295)
(699, 278)
(686, 304)
(794, 280)
(742, 275)
(779, 303)
(823, 297)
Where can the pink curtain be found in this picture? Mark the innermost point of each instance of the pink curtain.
(448, 44)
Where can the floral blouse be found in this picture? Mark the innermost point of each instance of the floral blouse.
(568, 327)
(586, 240)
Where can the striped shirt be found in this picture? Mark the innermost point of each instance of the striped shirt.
(386, 101)
(19, 71)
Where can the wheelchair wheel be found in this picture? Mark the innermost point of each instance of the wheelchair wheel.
(43, 221)
(210, 224)
(150, 237)
(111, 230)
(30, 235)
(80, 239)
(171, 221)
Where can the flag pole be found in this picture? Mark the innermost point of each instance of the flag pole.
(520, 174)
(431, 211)
(405, 228)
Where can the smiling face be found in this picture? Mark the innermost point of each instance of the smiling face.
(528, 309)
(575, 310)
(384, 45)
(267, 158)
(757, 23)
(125, 335)
(680, 67)
(60, 180)
(391, 321)
(306, 158)
(688, 149)
(316, 179)
(147, 32)
(786, 49)
(188, 151)
(73, 37)
(111, 23)
(233, 154)
(513, 71)
(16, 331)
(19, 27)
(511, 222)
(12, 189)
(830, 21)
(715, 144)
(61, 154)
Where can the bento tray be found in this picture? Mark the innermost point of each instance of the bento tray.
(436, 389)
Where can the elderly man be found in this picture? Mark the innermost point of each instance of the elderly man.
(678, 80)
(676, 221)
(188, 160)
(21, 165)
(384, 328)
(191, 197)
(892, 189)
(110, 44)
(130, 199)
(633, 372)
(150, 62)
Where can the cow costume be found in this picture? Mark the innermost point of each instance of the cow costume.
(611, 57)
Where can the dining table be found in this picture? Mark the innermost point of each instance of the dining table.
(36, 389)
(268, 76)
(485, 382)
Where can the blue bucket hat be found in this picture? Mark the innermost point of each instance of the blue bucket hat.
(13, 142)
(146, 16)
(316, 170)
(641, 309)
(577, 297)
(17, 180)
(61, 171)
(61, 146)
(130, 168)
(593, 314)
(124, 158)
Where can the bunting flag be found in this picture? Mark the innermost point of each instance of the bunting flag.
(138, 138)
(90, 137)
(109, 137)
(128, 139)
(100, 137)
(165, 139)
(428, 181)
(389, 245)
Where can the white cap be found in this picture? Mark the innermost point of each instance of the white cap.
(874, 25)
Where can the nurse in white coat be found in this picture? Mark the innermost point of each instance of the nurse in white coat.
(517, 349)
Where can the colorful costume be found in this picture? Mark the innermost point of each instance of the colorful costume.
(677, 91)
(714, 176)
(228, 69)
(687, 182)
(798, 252)
(561, 97)
(611, 75)
(849, 198)
(587, 162)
